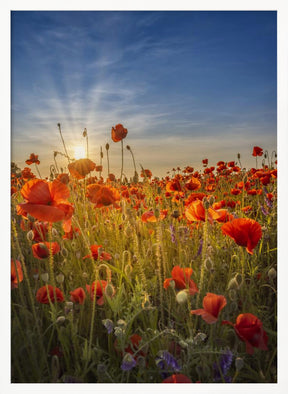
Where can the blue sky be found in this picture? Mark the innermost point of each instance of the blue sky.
(187, 85)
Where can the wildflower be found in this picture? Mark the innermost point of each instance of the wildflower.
(212, 304)
(64, 178)
(181, 278)
(32, 159)
(118, 133)
(108, 324)
(172, 232)
(222, 367)
(205, 162)
(102, 195)
(177, 378)
(193, 184)
(96, 250)
(245, 232)
(16, 273)
(146, 173)
(249, 329)
(80, 168)
(165, 360)
(46, 201)
(47, 292)
(100, 288)
(195, 212)
(41, 250)
(78, 295)
(257, 151)
(128, 362)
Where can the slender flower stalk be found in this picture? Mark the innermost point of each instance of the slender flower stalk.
(38, 171)
(130, 150)
(107, 149)
(56, 166)
(59, 127)
(122, 160)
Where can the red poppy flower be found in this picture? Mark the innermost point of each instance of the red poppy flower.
(212, 304)
(78, 295)
(249, 329)
(40, 231)
(193, 184)
(80, 168)
(99, 168)
(257, 151)
(146, 173)
(118, 133)
(245, 232)
(72, 233)
(181, 277)
(46, 292)
(205, 162)
(16, 273)
(64, 178)
(46, 201)
(32, 159)
(95, 253)
(100, 288)
(173, 186)
(103, 196)
(177, 378)
(41, 250)
(149, 216)
(231, 164)
(27, 174)
(196, 212)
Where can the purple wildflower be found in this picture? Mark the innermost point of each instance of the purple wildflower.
(264, 211)
(108, 324)
(268, 202)
(172, 231)
(128, 362)
(200, 248)
(165, 360)
(222, 367)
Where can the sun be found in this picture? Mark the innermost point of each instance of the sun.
(79, 152)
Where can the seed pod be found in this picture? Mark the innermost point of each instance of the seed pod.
(182, 297)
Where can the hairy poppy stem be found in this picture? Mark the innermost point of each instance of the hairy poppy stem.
(101, 157)
(122, 160)
(38, 171)
(59, 126)
(204, 247)
(107, 149)
(128, 147)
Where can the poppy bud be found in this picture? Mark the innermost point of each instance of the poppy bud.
(235, 259)
(85, 275)
(208, 264)
(128, 147)
(272, 274)
(182, 297)
(238, 155)
(122, 323)
(107, 146)
(64, 252)
(239, 363)
(206, 203)
(109, 290)
(45, 277)
(60, 278)
(200, 337)
(30, 235)
(54, 232)
(232, 294)
(85, 133)
(211, 200)
(60, 319)
(119, 333)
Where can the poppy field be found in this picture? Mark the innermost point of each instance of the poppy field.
(147, 279)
